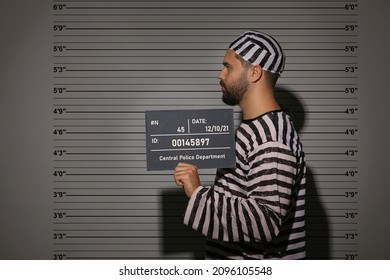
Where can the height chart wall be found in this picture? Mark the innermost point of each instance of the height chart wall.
(78, 76)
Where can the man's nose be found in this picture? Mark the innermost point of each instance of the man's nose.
(221, 75)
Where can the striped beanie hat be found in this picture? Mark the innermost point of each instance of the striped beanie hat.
(259, 48)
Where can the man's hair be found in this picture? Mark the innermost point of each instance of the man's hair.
(270, 77)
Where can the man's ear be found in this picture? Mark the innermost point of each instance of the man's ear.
(256, 73)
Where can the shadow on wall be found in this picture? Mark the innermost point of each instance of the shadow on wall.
(289, 102)
(317, 227)
(179, 240)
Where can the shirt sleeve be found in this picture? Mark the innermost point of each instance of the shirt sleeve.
(254, 214)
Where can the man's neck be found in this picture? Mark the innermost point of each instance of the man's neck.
(254, 105)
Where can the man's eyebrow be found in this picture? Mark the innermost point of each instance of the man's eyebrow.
(226, 63)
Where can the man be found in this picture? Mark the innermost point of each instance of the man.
(257, 210)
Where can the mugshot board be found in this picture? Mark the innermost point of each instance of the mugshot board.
(78, 76)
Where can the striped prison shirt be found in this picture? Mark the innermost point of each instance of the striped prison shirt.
(256, 210)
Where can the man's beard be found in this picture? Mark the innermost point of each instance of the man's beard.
(233, 94)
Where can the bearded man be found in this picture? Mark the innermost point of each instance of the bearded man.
(257, 209)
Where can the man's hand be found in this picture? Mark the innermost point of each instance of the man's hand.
(186, 175)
